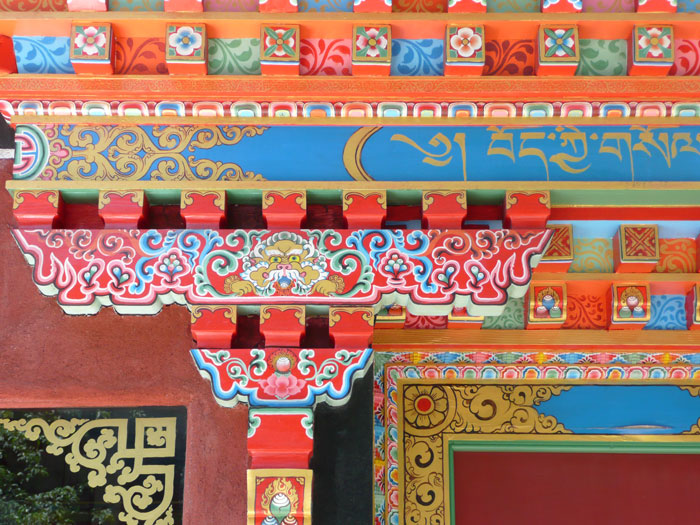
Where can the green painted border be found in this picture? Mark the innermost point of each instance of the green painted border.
(604, 447)
(75, 192)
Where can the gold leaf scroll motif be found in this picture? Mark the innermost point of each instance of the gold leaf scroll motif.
(106, 456)
(429, 410)
(129, 153)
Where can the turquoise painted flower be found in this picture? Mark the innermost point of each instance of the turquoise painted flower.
(559, 42)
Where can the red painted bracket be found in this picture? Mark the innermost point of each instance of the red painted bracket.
(466, 6)
(283, 325)
(656, 6)
(631, 306)
(284, 209)
(636, 248)
(37, 208)
(87, 5)
(560, 252)
(351, 327)
(195, 6)
(372, 6)
(444, 210)
(364, 209)
(392, 317)
(560, 6)
(213, 326)
(203, 209)
(281, 438)
(8, 63)
(460, 319)
(525, 210)
(277, 6)
(545, 306)
(123, 209)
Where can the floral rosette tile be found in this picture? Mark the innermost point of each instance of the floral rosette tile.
(465, 44)
(653, 44)
(371, 44)
(280, 43)
(559, 44)
(91, 43)
(186, 43)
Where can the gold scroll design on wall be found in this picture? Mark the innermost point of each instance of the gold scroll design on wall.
(456, 409)
(107, 457)
(129, 153)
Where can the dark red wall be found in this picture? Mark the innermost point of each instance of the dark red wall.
(575, 489)
(49, 359)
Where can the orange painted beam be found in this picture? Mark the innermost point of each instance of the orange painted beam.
(339, 25)
(305, 88)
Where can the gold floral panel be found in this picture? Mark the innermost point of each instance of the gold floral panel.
(437, 416)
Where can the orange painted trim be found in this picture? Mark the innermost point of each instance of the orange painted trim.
(282, 87)
(614, 213)
(339, 25)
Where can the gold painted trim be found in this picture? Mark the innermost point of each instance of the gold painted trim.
(428, 197)
(348, 197)
(187, 198)
(298, 309)
(335, 311)
(197, 309)
(104, 198)
(268, 197)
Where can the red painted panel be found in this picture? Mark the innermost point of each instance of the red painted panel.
(575, 489)
(53, 360)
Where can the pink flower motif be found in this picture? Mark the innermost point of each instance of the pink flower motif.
(466, 42)
(372, 42)
(282, 385)
(91, 40)
(656, 42)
